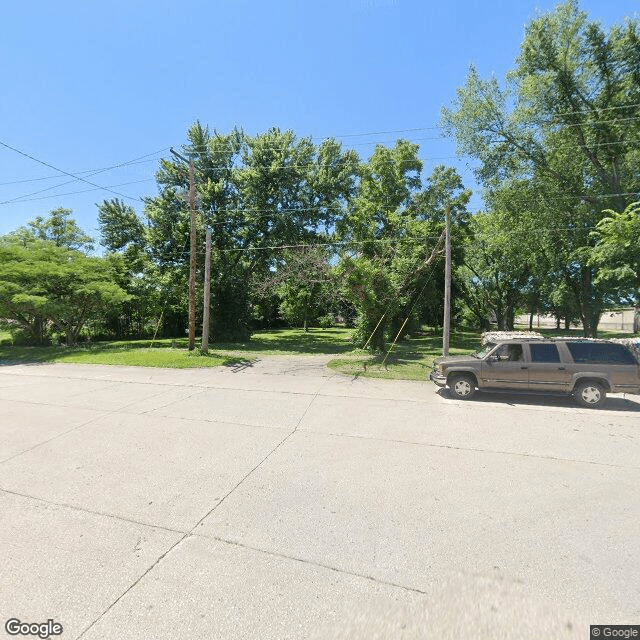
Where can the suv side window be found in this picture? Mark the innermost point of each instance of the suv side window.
(544, 353)
(509, 352)
(599, 353)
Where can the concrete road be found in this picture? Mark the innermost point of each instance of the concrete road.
(278, 500)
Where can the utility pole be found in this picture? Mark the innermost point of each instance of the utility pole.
(446, 328)
(207, 294)
(192, 261)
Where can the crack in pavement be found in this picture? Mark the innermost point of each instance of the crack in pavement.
(314, 563)
(103, 414)
(190, 533)
(474, 449)
(94, 512)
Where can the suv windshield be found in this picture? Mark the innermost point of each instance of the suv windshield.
(484, 351)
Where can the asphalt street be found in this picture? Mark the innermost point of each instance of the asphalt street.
(275, 500)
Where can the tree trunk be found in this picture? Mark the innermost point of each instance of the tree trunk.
(531, 320)
(589, 309)
(567, 323)
(510, 318)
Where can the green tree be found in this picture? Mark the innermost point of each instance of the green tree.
(44, 285)
(493, 275)
(393, 228)
(617, 253)
(62, 230)
(256, 194)
(304, 285)
(568, 123)
(119, 225)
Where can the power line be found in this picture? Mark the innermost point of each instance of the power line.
(73, 193)
(424, 159)
(26, 197)
(89, 171)
(71, 175)
(283, 167)
(346, 243)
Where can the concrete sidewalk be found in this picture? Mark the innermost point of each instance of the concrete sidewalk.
(279, 500)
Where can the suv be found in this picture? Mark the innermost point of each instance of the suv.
(588, 369)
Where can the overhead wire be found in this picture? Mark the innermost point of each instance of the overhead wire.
(82, 171)
(67, 173)
(206, 147)
(24, 197)
(285, 166)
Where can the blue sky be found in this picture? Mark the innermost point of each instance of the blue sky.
(88, 85)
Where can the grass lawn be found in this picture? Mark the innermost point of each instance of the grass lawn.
(173, 353)
(410, 359)
(128, 353)
(293, 342)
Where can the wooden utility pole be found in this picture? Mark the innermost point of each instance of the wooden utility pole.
(446, 326)
(207, 294)
(192, 260)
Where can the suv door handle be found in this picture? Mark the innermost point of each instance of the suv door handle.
(524, 367)
(561, 368)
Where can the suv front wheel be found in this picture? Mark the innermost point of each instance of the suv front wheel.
(462, 386)
(590, 394)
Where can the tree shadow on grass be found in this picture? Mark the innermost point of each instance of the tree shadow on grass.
(315, 341)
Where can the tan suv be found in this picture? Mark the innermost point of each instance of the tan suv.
(587, 369)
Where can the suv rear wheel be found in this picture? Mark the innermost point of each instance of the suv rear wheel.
(590, 394)
(462, 386)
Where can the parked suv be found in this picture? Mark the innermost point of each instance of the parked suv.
(587, 369)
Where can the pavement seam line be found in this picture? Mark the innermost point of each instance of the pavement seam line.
(314, 563)
(104, 414)
(104, 514)
(148, 411)
(132, 586)
(58, 435)
(178, 542)
(456, 448)
(619, 413)
(282, 442)
(632, 406)
(190, 532)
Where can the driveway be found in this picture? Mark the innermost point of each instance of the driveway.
(276, 499)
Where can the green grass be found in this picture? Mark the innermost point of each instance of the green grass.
(173, 353)
(119, 353)
(410, 359)
(293, 342)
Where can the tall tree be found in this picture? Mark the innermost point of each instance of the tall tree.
(568, 122)
(393, 228)
(256, 194)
